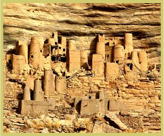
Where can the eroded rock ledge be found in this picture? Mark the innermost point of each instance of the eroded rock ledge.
(81, 22)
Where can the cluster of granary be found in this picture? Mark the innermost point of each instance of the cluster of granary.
(41, 55)
(88, 105)
(41, 99)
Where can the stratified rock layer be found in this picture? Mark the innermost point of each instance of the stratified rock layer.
(81, 22)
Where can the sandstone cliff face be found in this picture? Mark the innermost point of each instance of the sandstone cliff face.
(82, 22)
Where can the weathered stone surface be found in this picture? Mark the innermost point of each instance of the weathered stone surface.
(18, 64)
(112, 116)
(97, 65)
(60, 84)
(89, 106)
(74, 60)
(49, 83)
(110, 129)
(33, 108)
(116, 105)
(45, 130)
(30, 82)
(98, 128)
(111, 71)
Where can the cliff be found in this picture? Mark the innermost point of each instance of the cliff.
(82, 22)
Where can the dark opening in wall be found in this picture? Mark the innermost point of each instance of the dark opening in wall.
(32, 56)
(53, 34)
(59, 39)
(153, 66)
(63, 49)
(107, 44)
(108, 105)
(10, 62)
(158, 67)
(46, 41)
(89, 97)
(129, 56)
(53, 47)
(97, 96)
(78, 106)
(117, 61)
(59, 47)
(53, 58)
(32, 95)
(130, 65)
(63, 59)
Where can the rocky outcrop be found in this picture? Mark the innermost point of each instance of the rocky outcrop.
(82, 22)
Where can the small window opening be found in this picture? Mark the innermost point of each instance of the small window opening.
(10, 61)
(108, 105)
(107, 44)
(117, 61)
(130, 65)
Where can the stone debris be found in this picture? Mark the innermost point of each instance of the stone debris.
(98, 128)
(45, 130)
(112, 116)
